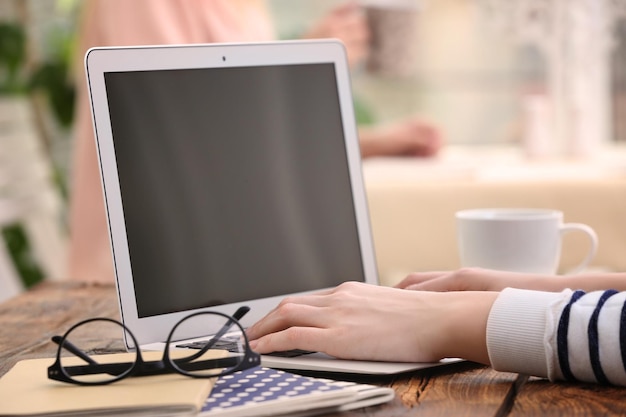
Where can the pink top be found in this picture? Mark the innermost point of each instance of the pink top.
(123, 22)
(138, 22)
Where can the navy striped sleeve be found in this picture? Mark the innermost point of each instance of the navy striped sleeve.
(561, 337)
(591, 337)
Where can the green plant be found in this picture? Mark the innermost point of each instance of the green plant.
(21, 254)
(12, 58)
(52, 77)
(362, 112)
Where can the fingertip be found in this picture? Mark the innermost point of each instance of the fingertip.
(252, 334)
(259, 346)
(269, 343)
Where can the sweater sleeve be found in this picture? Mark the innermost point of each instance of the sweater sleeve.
(569, 335)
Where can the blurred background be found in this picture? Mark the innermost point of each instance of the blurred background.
(539, 80)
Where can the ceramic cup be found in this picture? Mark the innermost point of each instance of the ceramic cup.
(519, 240)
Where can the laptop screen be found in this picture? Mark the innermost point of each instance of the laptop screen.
(234, 183)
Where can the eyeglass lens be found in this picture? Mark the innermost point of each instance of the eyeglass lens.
(196, 359)
(83, 352)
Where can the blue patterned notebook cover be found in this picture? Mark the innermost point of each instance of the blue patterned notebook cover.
(263, 391)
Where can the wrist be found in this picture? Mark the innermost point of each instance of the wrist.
(465, 317)
(372, 142)
(586, 282)
(595, 282)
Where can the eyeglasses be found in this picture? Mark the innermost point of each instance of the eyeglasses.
(77, 362)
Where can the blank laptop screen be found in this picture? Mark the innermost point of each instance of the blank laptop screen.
(234, 183)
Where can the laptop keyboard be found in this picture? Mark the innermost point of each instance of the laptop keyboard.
(294, 353)
(220, 344)
(233, 347)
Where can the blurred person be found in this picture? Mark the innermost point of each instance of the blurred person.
(141, 22)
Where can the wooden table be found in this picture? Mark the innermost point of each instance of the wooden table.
(28, 321)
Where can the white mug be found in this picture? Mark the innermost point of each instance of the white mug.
(519, 240)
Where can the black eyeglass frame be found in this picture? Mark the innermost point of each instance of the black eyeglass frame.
(140, 367)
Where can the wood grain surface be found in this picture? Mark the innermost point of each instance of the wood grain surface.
(28, 321)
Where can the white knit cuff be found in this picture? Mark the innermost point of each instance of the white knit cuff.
(516, 329)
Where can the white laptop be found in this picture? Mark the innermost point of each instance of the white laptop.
(232, 176)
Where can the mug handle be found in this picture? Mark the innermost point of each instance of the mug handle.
(593, 238)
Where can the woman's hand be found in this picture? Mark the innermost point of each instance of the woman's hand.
(412, 136)
(477, 279)
(469, 279)
(361, 321)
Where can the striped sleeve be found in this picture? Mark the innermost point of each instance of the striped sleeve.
(570, 335)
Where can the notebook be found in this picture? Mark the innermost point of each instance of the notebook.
(27, 391)
(269, 392)
(232, 176)
(254, 392)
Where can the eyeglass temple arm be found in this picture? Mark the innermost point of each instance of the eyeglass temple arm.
(73, 349)
(241, 311)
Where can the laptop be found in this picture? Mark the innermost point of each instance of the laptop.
(232, 176)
